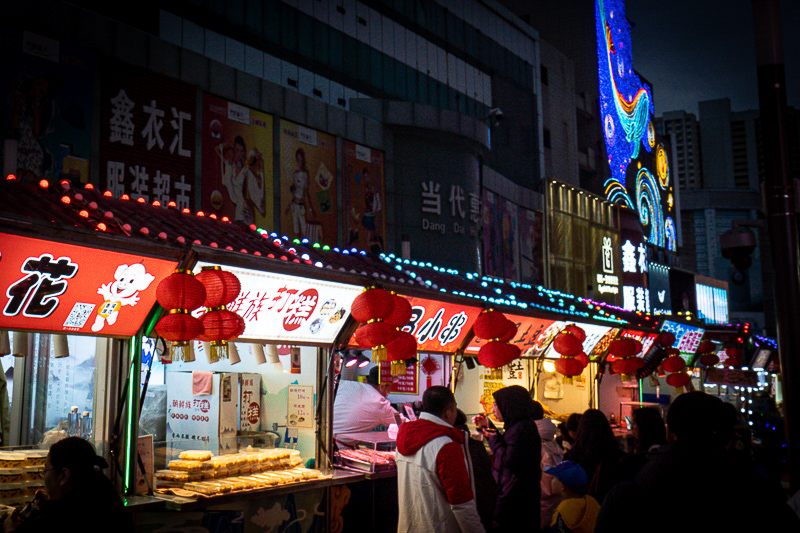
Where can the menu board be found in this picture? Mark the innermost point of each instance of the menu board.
(288, 309)
(687, 338)
(51, 286)
(601, 348)
(529, 329)
(407, 383)
(300, 406)
(439, 326)
(594, 334)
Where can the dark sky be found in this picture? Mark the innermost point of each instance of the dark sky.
(695, 50)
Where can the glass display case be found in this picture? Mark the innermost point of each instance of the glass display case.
(370, 452)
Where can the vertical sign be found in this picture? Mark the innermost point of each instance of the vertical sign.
(509, 232)
(635, 290)
(45, 107)
(145, 448)
(308, 184)
(492, 235)
(407, 383)
(300, 406)
(147, 135)
(364, 211)
(237, 162)
(531, 256)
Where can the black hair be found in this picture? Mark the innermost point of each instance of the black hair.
(515, 403)
(461, 419)
(76, 454)
(572, 421)
(594, 439)
(373, 378)
(652, 429)
(538, 410)
(700, 417)
(239, 140)
(437, 399)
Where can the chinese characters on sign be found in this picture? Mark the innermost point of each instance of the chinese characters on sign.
(407, 383)
(608, 281)
(687, 338)
(300, 406)
(439, 327)
(147, 136)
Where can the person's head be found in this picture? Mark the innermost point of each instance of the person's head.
(594, 438)
(699, 418)
(648, 428)
(461, 419)
(572, 425)
(239, 148)
(373, 378)
(300, 157)
(439, 401)
(570, 478)
(512, 404)
(71, 465)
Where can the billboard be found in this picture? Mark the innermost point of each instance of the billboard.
(46, 111)
(147, 135)
(658, 278)
(635, 291)
(531, 250)
(365, 194)
(492, 234)
(308, 184)
(237, 162)
(687, 338)
(637, 159)
(50, 286)
(439, 326)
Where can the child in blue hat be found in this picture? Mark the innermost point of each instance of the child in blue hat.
(577, 513)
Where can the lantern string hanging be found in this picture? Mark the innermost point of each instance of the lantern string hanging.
(569, 345)
(404, 347)
(734, 356)
(219, 323)
(707, 355)
(179, 294)
(494, 327)
(371, 308)
(625, 361)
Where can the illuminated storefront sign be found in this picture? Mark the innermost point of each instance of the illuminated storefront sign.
(49, 286)
(687, 338)
(594, 334)
(647, 339)
(658, 278)
(529, 334)
(712, 304)
(607, 281)
(289, 309)
(439, 326)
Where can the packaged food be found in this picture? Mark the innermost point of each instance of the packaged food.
(208, 474)
(267, 479)
(195, 455)
(206, 488)
(12, 475)
(13, 460)
(35, 457)
(32, 486)
(186, 466)
(221, 461)
(233, 483)
(33, 473)
(12, 490)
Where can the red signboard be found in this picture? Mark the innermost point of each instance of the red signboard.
(529, 330)
(438, 326)
(48, 286)
(403, 384)
(647, 339)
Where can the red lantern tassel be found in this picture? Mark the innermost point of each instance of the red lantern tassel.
(379, 353)
(218, 350)
(181, 351)
(398, 368)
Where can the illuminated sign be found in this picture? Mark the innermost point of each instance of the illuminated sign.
(439, 326)
(712, 304)
(608, 281)
(647, 339)
(594, 334)
(529, 334)
(635, 292)
(407, 383)
(658, 278)
(289, 309)
(687, 338)
(49, 286)
(637, 159)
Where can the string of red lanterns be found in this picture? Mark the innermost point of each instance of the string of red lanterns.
(498, 330)
(569, 345)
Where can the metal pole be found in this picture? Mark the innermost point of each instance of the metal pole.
(781, 219)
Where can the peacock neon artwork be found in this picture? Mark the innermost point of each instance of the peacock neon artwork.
(626, 109)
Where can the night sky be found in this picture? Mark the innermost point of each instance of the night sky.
(695, 50)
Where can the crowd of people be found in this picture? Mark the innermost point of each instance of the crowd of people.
(685, 472)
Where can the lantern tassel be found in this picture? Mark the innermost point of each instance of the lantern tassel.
(679, 390)
(219, 350)
(379, 354)
(566, 380)
(627, 377)
(398, 368)
(181, 351)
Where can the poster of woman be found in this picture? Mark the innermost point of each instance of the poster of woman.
(364, 198)
(237, 162)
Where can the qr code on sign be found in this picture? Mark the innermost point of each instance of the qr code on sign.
(79, 315)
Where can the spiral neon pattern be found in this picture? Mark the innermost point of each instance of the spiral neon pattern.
(649, 206)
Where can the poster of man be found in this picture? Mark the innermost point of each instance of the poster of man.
(237, 162)
(365, 192)
(308, 184)
(45, 107)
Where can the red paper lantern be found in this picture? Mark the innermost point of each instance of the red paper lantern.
(375, 334)
(673, 364)
(666, 338)
(624, 347)
(372, 304)
(678, 380)
(583, 358)
(709, 359)
(671, 352)
(568, 367)
(221, 325)
(181, 290)
(402, 348)
(567, 344)
(627, 365)
(401, 313)
(577, 331)
(178, 327)
(222, 287)
(511, 333)
(705, 347)
(495, 354)
(734, 356)
(491, 325)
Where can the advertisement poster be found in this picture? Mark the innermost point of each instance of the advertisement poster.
(407, 383)
(492, 234)
(49, 286)
(237, 162)
(144, 481)
(300, 406)
(308, 184)
(365, 194)
(531, 250)
(509, 234)
(439, 326)
(45, 107)
(147, 136)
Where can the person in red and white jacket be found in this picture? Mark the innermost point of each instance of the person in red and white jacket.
(434, 475)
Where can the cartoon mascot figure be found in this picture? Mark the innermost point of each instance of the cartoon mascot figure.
(124, 291)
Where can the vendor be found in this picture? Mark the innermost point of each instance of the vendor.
(360, 407)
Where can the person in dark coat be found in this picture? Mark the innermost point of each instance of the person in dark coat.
(80, 498)
(517, 459)
(485, 485)
(598, 452)
(693, 466)
(649, 434)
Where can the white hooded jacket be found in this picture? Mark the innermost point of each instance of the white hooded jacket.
(552, 454)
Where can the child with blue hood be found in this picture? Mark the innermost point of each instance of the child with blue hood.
(577, 512)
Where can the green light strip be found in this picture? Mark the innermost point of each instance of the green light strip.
(131, 407)
(641, 394)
